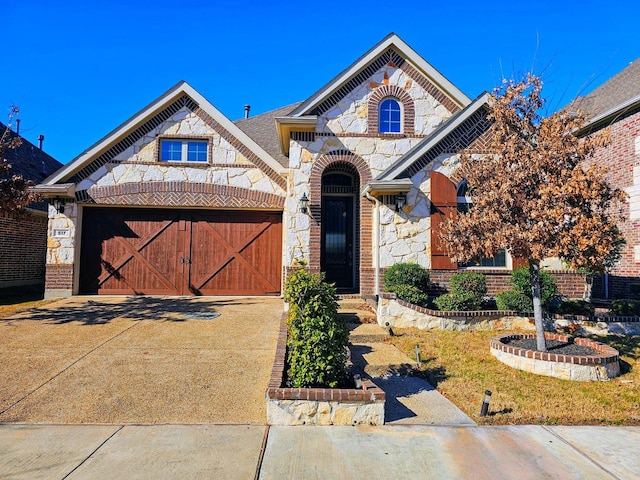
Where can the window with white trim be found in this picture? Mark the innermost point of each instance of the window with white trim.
(464, 204)
(389, 116)
(176, 150)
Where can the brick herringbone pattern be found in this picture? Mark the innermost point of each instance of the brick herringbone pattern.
(180, 194)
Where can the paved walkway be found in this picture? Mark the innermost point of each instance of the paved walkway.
(240, 452)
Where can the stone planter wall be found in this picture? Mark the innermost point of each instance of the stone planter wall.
(398, 313)
(319, 406)
(599, 367)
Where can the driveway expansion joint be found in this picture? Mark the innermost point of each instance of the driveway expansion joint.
(82, 357)
(94, 451)
(580, 451)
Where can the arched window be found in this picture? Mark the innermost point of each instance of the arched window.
(390, 116)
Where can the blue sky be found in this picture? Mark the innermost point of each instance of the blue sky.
(77, 69)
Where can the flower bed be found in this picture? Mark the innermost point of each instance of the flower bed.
(603, 365)
(319, 406)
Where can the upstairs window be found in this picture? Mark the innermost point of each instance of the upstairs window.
(390, 116)
(184, 150)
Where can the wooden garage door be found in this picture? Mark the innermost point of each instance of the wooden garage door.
(136, 251)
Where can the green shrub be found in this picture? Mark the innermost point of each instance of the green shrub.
(521, 283)
(317, 338)
(470, 282)
(459, 302)
(412, 294)
(514, 300)
(576, 307)
(406, 274)
(625, 307)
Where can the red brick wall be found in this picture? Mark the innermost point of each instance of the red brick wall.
(620, 158)
(59, 277)
(23, 249)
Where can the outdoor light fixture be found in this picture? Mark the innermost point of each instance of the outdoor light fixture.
(485, 403)
(304, 203)
(401, 200)
(58, 203)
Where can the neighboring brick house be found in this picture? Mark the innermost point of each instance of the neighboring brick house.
(23, 237)
(615, 105)
(180, 200)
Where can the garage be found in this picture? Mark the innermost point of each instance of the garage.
(180, 252)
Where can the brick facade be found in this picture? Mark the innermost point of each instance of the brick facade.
(23, 248)
(620, 157)
(59, 277)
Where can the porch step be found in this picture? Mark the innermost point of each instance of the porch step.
(368, 333)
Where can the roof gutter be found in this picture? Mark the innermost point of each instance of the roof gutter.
(67, 190)
(611, 113)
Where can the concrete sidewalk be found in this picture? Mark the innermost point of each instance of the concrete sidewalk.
(241, 452)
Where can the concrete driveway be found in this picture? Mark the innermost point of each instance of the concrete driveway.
(139, 360)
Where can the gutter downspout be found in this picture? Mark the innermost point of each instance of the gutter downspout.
(376, 242)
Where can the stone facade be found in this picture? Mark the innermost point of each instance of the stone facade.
(347, 132)
(133, 175)
(312, 412)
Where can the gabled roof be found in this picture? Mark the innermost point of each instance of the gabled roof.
(148, 113)
(391, 41)
(421, 151)
(615, 96)
(29, 161)
(262, 129)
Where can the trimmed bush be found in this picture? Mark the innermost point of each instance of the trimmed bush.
(521, 283)
(459, 301)
(576, 307)
(625, 307)
(406, 274)
(412, 295)
(471, 282)
(317, 338)
(514, 300)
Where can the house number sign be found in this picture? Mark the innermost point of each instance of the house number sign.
(61, 232)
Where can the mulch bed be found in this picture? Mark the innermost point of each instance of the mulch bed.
(555, 346)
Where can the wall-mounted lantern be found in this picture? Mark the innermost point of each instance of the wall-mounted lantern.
(58, 203)
(304, 203)
(401, 200)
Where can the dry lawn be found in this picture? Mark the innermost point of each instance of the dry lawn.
(461, 367)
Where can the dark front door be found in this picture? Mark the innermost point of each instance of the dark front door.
(337, 255)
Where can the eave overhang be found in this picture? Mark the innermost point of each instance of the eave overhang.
(286, 125)
(375, 188)
(610, 115)
(63, 190)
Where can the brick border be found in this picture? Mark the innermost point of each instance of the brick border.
(364, 220)
(180, 194)
(607, 354)
(370, 392)
(408, 110)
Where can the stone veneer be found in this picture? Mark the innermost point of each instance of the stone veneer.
(319, 406)
(603, 366)
(398, 313)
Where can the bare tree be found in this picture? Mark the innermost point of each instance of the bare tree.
(536, 195)
(14, 189)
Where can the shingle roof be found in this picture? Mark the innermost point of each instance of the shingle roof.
(613, 93)
(262, 130)
(28, 160)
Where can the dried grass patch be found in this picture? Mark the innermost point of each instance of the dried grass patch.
(460, 366)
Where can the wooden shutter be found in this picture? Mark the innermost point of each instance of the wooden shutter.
(444, 205)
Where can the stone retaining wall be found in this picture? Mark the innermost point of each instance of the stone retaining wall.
(583, 368)
(319, 406)
(398, 313)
